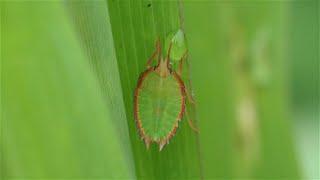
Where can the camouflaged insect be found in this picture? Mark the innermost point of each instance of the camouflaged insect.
(159, 100)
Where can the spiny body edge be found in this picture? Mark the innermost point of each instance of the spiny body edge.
(147, 140)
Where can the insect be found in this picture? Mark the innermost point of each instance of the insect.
(160, 100)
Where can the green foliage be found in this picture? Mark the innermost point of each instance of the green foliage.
(243, 119)
(58, 119)
(69, 70)
(136, 25)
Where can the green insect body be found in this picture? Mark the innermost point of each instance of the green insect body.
(159, 102)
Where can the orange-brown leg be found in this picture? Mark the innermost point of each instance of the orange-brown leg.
(191, 100)
(156, 52)
(183, 58)
(192, 126)
(190, 97)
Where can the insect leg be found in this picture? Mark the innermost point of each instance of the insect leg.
(183, 58)
(157, 51)
(192, 126)
(190, 97)
(179, 72)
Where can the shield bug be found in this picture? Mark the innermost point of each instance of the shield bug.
(160, 100)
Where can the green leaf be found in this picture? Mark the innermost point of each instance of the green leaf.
(245, 132)
(136, 25)
(62, 116)
(69, 70)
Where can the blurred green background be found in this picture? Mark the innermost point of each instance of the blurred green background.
(69, 69)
